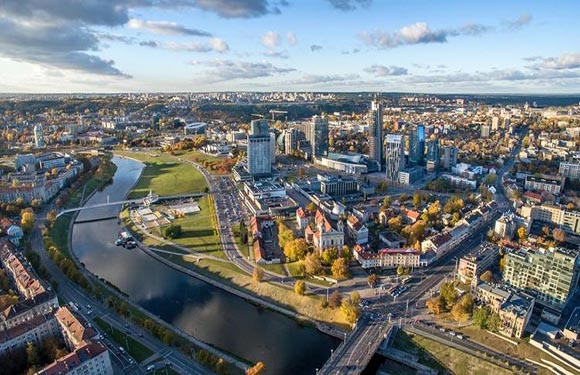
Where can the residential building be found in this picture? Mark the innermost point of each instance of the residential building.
(549, 184)
(33, 330)
(357, 230)
(569, 170)
(386, 258)
(568, 220)
(476, 262)
(318, 136)
(27, 283)
(90, 358)
(259, 127)
(303, 217)
(505, 226)
(376, 133)
(259, 154)
(459, 181)
(550, 274)
(485, 131)
(394, 156)
(495, 123)
(75, 330)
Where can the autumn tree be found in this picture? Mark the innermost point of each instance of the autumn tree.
(346, 253)
(300, 287)
(51, 217)
(435, 305)
(372, 280)
(417, 199)
(311, 207)
(350, 307)
(386, 203)
(521, 233)
(295, 249)
(285, 234)
(312, 264)
(487, 276)
(27, 219)
(258, 274)
(329, 255)
(335, 299)
(449, 295)
(559, 235)
(339, 268)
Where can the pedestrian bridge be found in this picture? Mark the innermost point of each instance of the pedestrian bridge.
(145, 201)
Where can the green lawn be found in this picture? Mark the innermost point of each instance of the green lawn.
(443, 358)
(166, 176)
(135, 349)
(276, 268)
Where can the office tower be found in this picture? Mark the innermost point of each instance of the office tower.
(433, 155)
(506, 123)
(484, 131)
(417, 145)
(376, 133)
(155, 119)
(494, 123)
(394, 156)
(38, 136)
(259, 151)
(272, 148)
(551, 274)
(259, 127)
(319, 136)
(449, 157)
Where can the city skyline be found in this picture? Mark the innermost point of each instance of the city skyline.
(279, 45)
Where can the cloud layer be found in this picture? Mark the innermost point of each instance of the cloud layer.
(165, 28)
(226, 70)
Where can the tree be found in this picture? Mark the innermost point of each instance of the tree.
(335, 299)
(400, 270)
(459, 313)
(329, 255)
(311, 207)
(51, 217)
(521, 233)
(435, 305)
(417, 199)
(346, 253)
(559, 235)
(172, 231)
(350, 307)
(312, 264)
(32, 355)
(295, 249)
(285, 235)
(258, 274)
(300, 287)
(449, 295)
(27, 219)
(386, 203)
(339, 268)
(487, 276)
(481, 316)
(467, 302)
(372, 280)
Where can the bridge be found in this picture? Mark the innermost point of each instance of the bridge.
(356, 351)
(144, 201)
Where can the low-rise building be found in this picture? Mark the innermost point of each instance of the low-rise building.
(357, 230)
(324, 235)
(549, 184)
(303, 217)
(505, 226)
(74, 329)
(34, 330)
(476, 262)
(91, 358)
(386, 258)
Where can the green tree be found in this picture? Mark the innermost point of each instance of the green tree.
(449, 295)
(172, 231)
(32, 355)
(417, 199)
(329, 255)
(346, 253)
(300, 287)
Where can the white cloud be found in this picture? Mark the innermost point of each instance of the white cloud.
(271, 39)
(219, 45)
(291, 39)
(165, 28)
(565, 61)
(226, 70)
(384, 71)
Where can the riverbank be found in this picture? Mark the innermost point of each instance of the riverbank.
(309, 308)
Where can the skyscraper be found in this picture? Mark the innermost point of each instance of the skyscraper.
(319, 136)
(485, 131)
(376, 132)
(417, 145)
(394, 156)
(38, 136)
(259, 151)
(449, 157)
(433, 154)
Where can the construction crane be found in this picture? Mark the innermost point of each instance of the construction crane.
(275, 112)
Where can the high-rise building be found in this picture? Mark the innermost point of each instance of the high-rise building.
(272, 148)
(433, 154)
(550, 274)
(290, 141)
(155, 119)
(259, 151)
(259, 127)
(494, 123)
(506, 123)
(417, 145)
(394, 156)
(449, 157)
(38, 136)
(376, 132)
(485, 131)
(318, 136)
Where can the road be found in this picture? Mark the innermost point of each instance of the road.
(70, 292)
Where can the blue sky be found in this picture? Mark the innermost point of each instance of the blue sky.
(289, 45)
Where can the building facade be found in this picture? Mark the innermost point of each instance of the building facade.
(376, 132)
(569, 170)
(319, 136)
(394, 156)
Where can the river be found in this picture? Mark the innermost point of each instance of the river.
(204, 311)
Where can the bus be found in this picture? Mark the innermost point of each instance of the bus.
(406, 279)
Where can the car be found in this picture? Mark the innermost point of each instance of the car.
(150, 367)
(442, 329)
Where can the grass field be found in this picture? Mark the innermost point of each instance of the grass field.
(444, 359)
(135, 349)
(166, 176)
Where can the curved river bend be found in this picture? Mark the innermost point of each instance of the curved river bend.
(206, 312)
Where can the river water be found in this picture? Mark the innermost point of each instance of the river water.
(206, 312)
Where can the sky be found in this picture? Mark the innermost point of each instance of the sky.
(432, 46)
